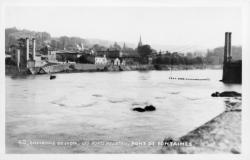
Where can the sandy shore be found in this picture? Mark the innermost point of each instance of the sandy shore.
(220, 135)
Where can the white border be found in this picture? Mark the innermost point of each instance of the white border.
(244, 4)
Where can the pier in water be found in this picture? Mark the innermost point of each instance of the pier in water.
(92, 112)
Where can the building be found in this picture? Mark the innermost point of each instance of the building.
(52, 56)
(101, 60)
(62, 56)
(117, 62)
(109, 53)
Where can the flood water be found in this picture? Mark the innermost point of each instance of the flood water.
(92, 112)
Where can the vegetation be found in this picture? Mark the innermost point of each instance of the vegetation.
(176, 59)
(12, 35)
(216, 56)
(144, 52)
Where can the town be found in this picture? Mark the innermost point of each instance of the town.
(36, 54)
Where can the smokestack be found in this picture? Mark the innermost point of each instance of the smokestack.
(225, 47)
(229, 47)
(27, 49)
(34, 48)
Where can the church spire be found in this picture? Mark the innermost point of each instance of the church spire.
(140, 42)
(124, 46)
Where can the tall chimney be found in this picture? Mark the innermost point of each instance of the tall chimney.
(225, 47)
(229, 47)
(34, 48)
(27, 49)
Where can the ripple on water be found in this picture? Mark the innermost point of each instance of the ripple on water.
(97, 95)
(174, 92)
(139, 103)
(193, 99)
(160, 97)
(87, 105)
(119, 100)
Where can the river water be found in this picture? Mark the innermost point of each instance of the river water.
(92, 112)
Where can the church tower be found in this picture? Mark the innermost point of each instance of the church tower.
(140, 42)
(124, 46)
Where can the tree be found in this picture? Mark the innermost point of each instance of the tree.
(98, 47)
(116, 46)
(144, 51)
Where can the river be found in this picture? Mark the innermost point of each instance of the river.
(92, 112)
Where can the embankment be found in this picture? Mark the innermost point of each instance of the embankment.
(220, 135)
(71, 68)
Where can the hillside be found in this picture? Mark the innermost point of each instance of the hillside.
(62, 42)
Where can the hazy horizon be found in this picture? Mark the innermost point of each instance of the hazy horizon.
(193, 27)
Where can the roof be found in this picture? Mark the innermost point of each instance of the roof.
(66, 52)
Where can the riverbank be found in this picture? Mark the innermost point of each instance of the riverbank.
(13, 71)
(76, 68)
(220, 135)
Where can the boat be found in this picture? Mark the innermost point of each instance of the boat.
(52, 77)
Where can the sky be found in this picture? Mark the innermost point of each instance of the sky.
(189, 26)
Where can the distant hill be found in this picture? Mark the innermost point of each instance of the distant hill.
(62, 42)
(13, 34)
(216, 56)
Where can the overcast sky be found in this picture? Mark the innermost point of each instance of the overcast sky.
(200, 26)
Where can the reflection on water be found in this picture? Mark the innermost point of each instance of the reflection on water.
(97, 107)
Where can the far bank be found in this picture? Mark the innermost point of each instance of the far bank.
(77, 67)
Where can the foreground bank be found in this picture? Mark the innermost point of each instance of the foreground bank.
(220, 135)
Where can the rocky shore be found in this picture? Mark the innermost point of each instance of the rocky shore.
(220, 135)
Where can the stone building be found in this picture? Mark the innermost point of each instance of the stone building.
(101, 60)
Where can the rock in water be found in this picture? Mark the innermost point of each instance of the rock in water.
(150, 108)
(226, 94)
(230, 94)
(52, 77)
(216, 94)
(139, 109)
(147, 108)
